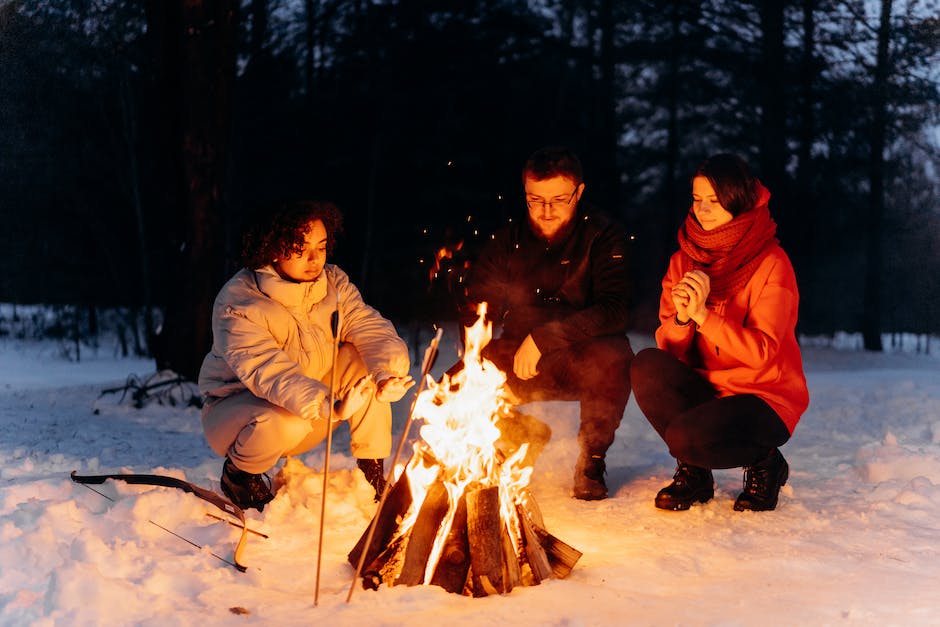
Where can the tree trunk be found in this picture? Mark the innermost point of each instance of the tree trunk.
(804, 197)
(671, 217)
(197, 45)
(773, 144)
(871, 320)
(129, 125)
(608, 133)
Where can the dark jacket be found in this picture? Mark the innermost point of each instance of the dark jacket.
(564, 293)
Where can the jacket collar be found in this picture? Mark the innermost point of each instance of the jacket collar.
(289, 293)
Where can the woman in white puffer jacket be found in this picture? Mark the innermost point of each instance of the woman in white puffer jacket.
(266, 379)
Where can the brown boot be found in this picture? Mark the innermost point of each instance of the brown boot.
(589, 482)
(245, 489)
(374, 470)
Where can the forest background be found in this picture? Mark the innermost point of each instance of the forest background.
(138, 136)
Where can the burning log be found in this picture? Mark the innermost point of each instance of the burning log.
(454, 566)
(396, 504)
(423, 534)
(386, 565)
(484, 528)
(535, 553)
(478, 556)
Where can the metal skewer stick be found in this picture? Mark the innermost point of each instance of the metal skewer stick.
(430, 354)
(334, 327)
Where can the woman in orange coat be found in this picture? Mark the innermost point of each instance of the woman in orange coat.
(725, 387)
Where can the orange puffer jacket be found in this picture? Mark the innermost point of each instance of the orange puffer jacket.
(748, 342)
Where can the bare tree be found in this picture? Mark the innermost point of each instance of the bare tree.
(196, 41)
(871, 324)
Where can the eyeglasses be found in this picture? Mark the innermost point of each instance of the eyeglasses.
(534, 203)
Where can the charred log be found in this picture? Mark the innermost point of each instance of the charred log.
(385, 567)
(484, 532)
(454, 565)
(396, 504)
(425, 530)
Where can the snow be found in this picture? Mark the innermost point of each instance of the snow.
(855, 539)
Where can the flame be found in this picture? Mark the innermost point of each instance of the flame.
(460, 434)
(444, 252)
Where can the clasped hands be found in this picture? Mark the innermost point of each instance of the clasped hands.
(689, 295)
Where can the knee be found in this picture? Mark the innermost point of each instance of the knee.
(646, 364)
(610, 354)
(680, 444)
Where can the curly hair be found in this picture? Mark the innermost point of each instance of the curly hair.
(279, 231)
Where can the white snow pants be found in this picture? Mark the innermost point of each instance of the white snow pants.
(255, 433)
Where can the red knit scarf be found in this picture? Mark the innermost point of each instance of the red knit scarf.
(729, 254)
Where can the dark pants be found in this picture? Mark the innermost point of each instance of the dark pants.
(699, 427)
(595, 372)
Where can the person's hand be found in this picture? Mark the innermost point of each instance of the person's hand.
(526, 361)
(695, 286)
(354, 399)
(680, 300)
(393, 388)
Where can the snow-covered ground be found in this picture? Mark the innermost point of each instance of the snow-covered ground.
(854, 541)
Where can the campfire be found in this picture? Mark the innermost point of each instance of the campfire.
(460, 515)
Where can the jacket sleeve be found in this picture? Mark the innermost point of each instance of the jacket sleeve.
(607, 312)
(671, 336)
(488, 280)
(773, 306)
(245, 342)
(383, 351)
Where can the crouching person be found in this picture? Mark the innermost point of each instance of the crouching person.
(725, 387)
(557, 284)
(266, 379)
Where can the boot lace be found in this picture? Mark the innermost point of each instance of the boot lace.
(756, 481)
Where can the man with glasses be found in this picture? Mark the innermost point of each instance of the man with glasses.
(558, 284)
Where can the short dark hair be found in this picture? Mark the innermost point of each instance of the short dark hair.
(279, 230)
(731, 179)
(552, 161)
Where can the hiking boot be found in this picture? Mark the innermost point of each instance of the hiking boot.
(762, 483)
(689, 484)
(589, 478)
(245, 489)
(374, 470)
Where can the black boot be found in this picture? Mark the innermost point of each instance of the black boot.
(689, 484)
(374, 470)
(762, 483)
(245, 489)
(589, 477)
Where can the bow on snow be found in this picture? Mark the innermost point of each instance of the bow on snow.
(172, 482)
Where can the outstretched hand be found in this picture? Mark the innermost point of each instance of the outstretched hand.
(354, 399)
(393, 388)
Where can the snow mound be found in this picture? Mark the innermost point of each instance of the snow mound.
(891, 461)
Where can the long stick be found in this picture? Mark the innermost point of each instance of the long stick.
(334, 327)
(430, 353)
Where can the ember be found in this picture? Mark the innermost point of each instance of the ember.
(460, 515)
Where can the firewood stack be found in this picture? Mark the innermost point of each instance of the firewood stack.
(480, 553)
